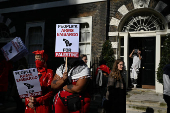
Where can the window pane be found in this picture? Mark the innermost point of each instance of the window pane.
(87, 48)
(85, 35)
(122, 52)
(35, 35)
(82, 48)
(35, 38)
(122, 58)
(122, 41)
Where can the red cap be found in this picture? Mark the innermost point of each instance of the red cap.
(41, 52)
(103, 68)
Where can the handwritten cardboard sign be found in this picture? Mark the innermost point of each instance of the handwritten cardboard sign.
(27, 82)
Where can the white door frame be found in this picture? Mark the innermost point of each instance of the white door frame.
(158, 35)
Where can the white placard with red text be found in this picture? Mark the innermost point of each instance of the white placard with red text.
(67, 40)
(27, 82)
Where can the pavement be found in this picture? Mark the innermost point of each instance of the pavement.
(145, 101)
(137, 101)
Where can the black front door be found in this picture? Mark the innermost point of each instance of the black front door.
(148, 61)
(146, 45)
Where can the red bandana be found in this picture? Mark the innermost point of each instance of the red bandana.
(39, 64)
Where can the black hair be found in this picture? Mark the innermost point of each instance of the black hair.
(72, 62)
(102, 62)
(83, 55)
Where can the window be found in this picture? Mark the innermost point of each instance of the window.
(143, 22)
(85, 35)
(34, 40)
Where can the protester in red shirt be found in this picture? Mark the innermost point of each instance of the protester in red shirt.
(43, 103)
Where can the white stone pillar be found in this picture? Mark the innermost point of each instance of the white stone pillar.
(126, 53)
(159, 86)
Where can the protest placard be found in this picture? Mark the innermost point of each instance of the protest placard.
(27, 82)
(14, 50)
(67, 40)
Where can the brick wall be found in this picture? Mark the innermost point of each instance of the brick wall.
(116, 4)
(61, 15)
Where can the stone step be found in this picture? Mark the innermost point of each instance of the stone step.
(141, 107)
(139, 91)
(129, 110)
(147, 103)
(145, 100)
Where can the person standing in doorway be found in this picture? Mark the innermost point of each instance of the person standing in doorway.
(136, 64)
(166, 86)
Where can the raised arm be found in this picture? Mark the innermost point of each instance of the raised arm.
(131, 54)
(58, 82)
(80, 85)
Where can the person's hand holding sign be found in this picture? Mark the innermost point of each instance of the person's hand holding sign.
(31, 102)
(65, 76)
(32, 99)
(31, 105)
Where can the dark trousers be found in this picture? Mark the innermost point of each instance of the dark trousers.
(117, 101)
(2, 97)
(167, 100)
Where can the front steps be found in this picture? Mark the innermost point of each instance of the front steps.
(145, 100)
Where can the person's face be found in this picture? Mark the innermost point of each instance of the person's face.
(84, 59)
(120, 66)
(39, 58)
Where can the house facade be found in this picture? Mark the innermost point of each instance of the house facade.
(35, 22)
(141, 24)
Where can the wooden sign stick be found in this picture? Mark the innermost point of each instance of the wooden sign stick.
(66, 65)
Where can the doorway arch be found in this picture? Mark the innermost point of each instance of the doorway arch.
(125, 32)
(143, 17)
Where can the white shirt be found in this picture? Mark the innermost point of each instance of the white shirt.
(136, 62)
(79, 71)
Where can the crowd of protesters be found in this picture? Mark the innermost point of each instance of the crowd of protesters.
(67, 89)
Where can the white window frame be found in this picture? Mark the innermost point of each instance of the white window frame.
(89, 30)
